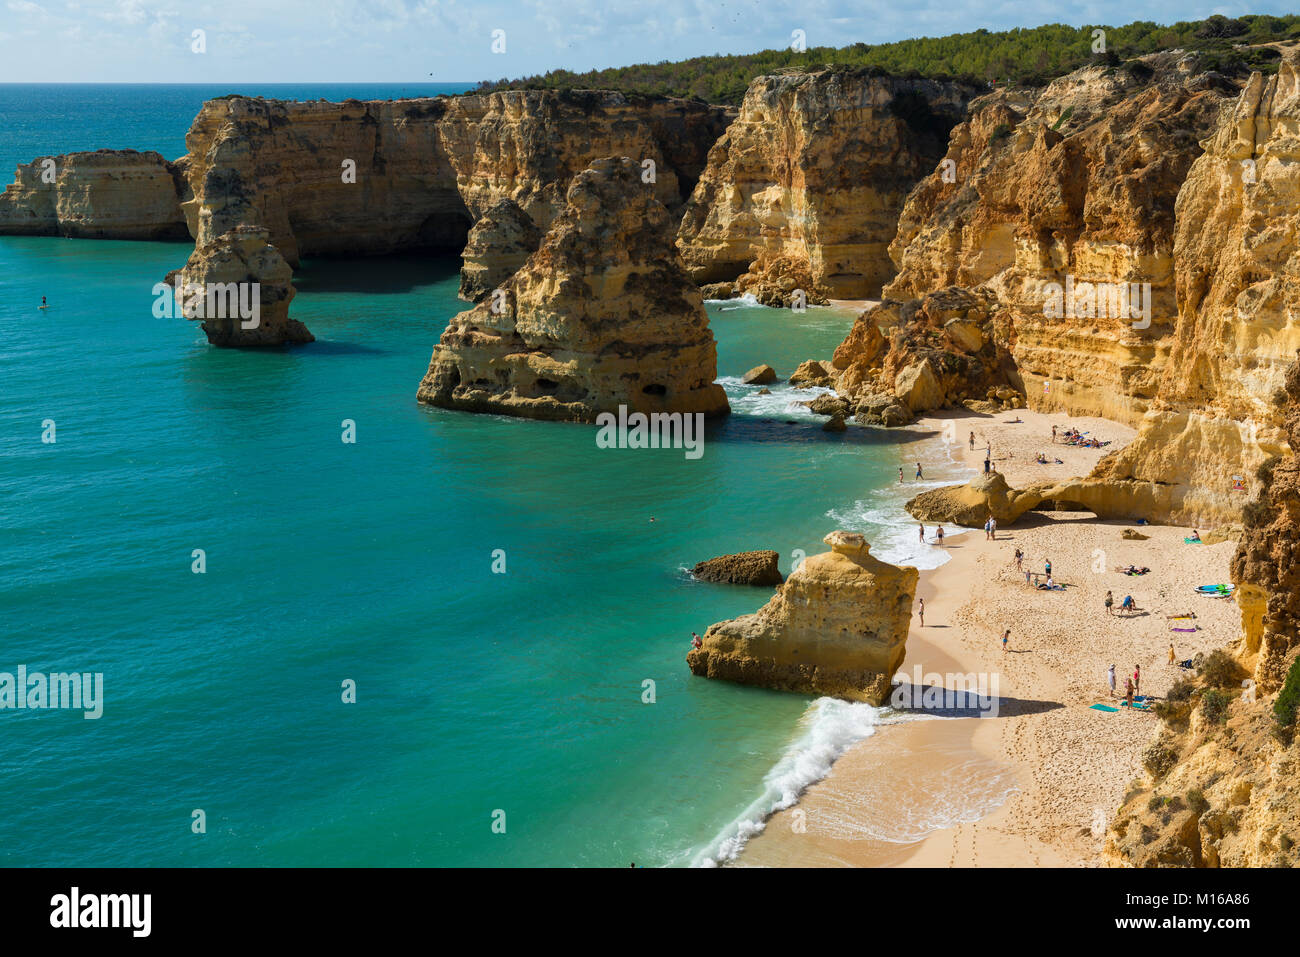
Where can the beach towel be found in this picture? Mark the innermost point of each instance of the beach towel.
(1190, 614)
(1103, 707)
(1184, 629)
(1193, 541)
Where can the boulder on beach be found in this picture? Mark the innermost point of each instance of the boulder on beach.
(743, 568)
(1133, 535)
(811, 373)
(835, 423)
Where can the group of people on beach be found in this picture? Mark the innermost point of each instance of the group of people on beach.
(919, 475)
(1132, 686)
(1078, 439)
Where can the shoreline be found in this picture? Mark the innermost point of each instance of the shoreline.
(1033, 785)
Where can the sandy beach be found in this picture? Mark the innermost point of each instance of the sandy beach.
(1031, 783)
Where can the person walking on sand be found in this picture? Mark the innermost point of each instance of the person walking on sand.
(1006, 636)
(1110, 606)
(920, 610)
(972, 441)
(919, 476)
(1110, 678)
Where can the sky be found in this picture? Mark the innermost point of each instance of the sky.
(407, 41)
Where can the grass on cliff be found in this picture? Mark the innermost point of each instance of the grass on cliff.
(1030, 56)
(1288, 699)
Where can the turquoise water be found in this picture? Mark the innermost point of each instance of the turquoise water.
(477, 692)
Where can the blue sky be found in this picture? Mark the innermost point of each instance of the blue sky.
(264, 41)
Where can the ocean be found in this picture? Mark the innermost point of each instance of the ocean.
(510, 602)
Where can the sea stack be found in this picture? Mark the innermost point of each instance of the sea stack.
(602, 315)
(240, 287)
(838, 626)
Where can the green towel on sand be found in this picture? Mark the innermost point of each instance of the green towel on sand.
(1103, 707)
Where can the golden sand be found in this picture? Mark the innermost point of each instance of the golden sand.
(1033, 785)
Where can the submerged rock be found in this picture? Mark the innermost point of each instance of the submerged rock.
(743, 568)
(838, 626)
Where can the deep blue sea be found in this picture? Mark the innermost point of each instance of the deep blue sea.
(483, 697)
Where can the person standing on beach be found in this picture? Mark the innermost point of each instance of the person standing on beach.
(1110, 677)
(900, 474)
(1006, 635)
(921, 532)
(1110, 606)
(1128, 691)
(1020, 560)
(1049, 568)
(919, 476)
(1171, 652)
(920, 610)
(1137, 679)
(988, 465)
(1053, 435)
(972, 441)
(993, 528)
(938, 534)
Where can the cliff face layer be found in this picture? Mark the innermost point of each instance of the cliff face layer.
(838, 626)
(809, 179)
(108, 194)
(602, 315)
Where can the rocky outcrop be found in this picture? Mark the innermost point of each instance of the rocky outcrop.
(239, 287)
(759, 375)
(108, 194)
(808, 182)
(838, 626)
(942, 350)
(743, 568)
(1266, 567)
(971, 504)
(602, 315)
(500, 242)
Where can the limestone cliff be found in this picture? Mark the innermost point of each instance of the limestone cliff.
(239, 287)
(1266, 567)
(377, 176)
(838, 626)
(1075, 186)
(809, 179)
(108, 194)
(502, 239)
(602, 315)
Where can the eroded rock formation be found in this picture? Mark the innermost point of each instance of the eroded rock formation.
(239, 287)
(838, 626)
(107, 194)
(602, 315)
(808, 182)
(500, 242)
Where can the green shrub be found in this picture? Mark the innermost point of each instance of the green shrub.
(1197, 802)
(1214, 705)
(1182, 690)
(1288, 699)
(1220, 670)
